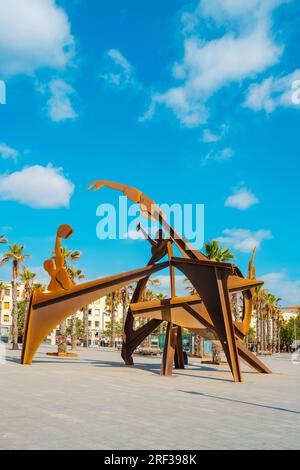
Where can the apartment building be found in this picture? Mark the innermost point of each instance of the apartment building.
(6, 310)
(290, 312)
(99, 318)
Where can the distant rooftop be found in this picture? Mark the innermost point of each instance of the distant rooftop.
(291, 307)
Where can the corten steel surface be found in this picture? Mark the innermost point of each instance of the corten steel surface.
(212, 281)
(48, 309)
(207, 313)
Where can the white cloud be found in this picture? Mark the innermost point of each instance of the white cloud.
(33, 34)
(190, 112)
(117, 71)
(164, 285)
(243, 239)
(272, 93)
(7, 152)
(38, 187)
(59, 106)
(209, 137)
(242, 199)
(134, 235)
(227, 10)
(209, 65)
(218, 156)
(284, 288)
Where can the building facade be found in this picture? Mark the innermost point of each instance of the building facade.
(6, 306)
(290, 312)
(99, 317)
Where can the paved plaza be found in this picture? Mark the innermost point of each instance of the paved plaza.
(95, 402)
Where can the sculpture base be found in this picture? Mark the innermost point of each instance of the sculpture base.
(215, 363)
(62, 354)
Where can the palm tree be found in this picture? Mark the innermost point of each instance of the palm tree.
(2, 291)
(76, 275)
(126, 294)
(16, 255)
(112, 301)
(257, 305)
(70, 256)
(27, 278)
(199, 339)
(215, 252)
(85, 316)
(263, 316)
(3, 240)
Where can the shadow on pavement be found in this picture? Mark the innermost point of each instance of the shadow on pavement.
(240, 401)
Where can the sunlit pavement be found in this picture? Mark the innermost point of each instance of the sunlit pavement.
(95, 402)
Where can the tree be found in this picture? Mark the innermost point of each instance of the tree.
(22, 312)
(126, 294)
(16, 256)
(118, 329)
(215, 252)
(111, 302)
(27, 278)
(70, 256)
(199, 339)
(77, 274)
(86, 335)
(288, 329)
(79, 329)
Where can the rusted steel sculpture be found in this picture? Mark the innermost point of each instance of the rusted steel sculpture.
(213, 282)
(208, 313)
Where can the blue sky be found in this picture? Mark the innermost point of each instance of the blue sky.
(147, 93)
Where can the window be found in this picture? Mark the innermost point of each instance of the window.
(18, 293)
(6, 318)
(97, 311)
(90, 323)
(7, 292)
(97, 324)
(90, 311)
(6, 305)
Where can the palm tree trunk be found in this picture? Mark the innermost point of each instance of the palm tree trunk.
(263, 332)
(278, 333)
(216, 351)
(259, 327)
(27, 304)
(234, 307)
(258, 333)
(74, 332)
(113, 320)
(124, 306)
(62, 343)
(273, 334)
(268, 324)
(14, 326)
(199, 346)
(86, 327)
